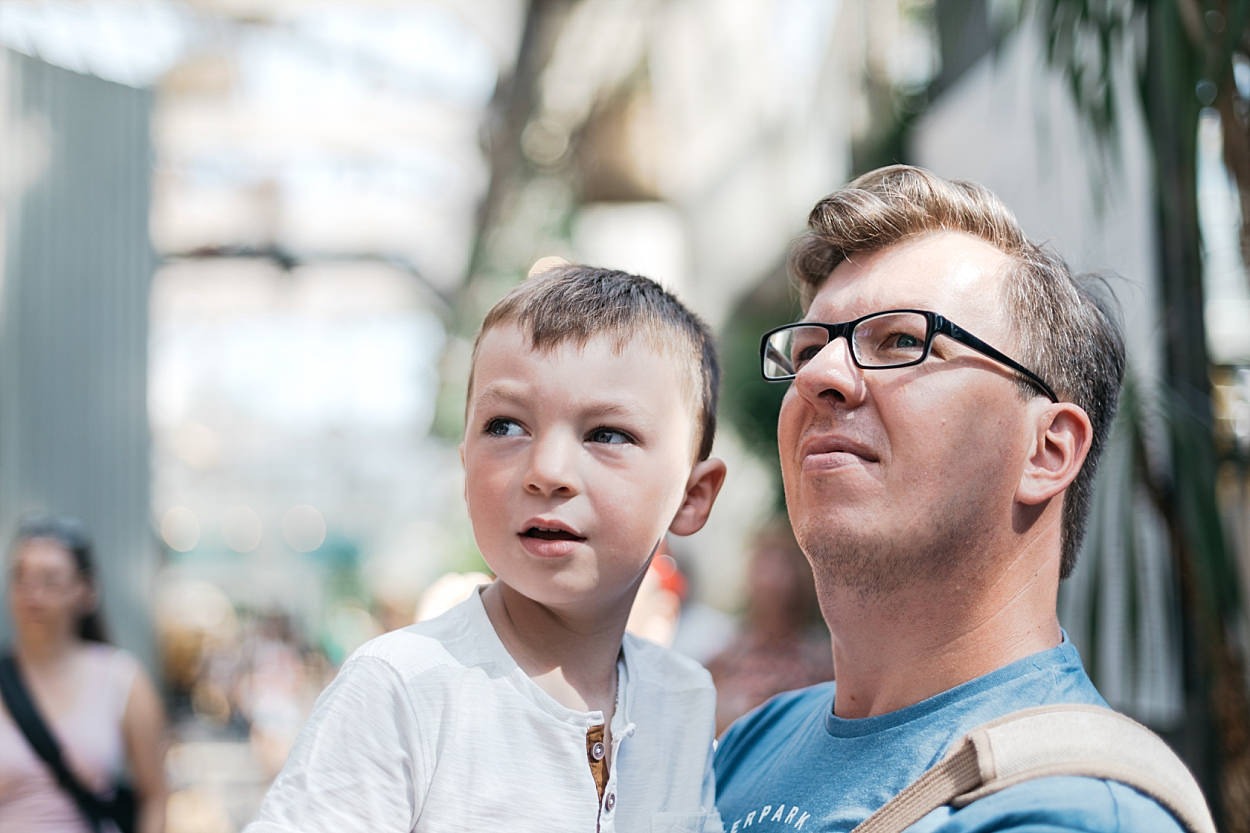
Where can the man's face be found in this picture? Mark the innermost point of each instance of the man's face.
(902, 474)
(576, 461)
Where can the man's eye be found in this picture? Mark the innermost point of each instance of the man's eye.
(499, 427)
(609, 436)
(804, 355)
(904, 341)
(898, 346)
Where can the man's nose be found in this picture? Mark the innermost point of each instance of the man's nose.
(831, 374)
(552, 466)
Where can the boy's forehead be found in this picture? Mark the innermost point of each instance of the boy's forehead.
(621, 342)
(510, 343)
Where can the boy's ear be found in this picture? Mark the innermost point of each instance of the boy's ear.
(701, 490)
(546, 263)
(1062, 440)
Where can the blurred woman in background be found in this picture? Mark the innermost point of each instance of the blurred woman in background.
(98, 702)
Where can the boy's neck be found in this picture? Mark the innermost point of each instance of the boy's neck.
(573, 661)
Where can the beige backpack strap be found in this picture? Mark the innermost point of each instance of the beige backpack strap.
(1046, 741)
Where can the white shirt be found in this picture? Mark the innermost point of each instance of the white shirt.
(434, 728)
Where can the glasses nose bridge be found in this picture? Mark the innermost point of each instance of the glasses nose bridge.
(844, 330)
(823, 360)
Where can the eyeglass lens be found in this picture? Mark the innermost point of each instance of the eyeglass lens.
(891, 339)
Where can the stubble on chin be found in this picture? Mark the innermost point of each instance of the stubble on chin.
(882, 563)
(864, 566)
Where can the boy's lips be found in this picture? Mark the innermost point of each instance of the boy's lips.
(551, 534)
(550, 530)
(547, 538)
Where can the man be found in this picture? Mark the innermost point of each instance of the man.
(939, 483)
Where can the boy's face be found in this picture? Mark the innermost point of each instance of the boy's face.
(577, 459)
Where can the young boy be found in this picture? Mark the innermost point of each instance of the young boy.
(589, 423)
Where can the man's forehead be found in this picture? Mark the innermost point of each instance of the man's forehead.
(943, 271)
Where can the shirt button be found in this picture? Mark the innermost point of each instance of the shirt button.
(597, 751)
(609, 802)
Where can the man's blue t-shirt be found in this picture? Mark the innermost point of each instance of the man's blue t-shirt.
(793, 765)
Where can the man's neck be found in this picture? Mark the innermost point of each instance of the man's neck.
(892, 652)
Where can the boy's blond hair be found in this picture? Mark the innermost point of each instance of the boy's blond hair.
(573, 303)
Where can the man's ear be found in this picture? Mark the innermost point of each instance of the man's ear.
(1062, 440)
(701, 490)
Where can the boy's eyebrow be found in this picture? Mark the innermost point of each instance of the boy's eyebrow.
(495, 390)
(507, 393)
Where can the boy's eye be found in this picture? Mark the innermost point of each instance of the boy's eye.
(500, 427)
(610, 436)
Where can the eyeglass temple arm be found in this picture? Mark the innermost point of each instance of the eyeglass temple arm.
(960, 334)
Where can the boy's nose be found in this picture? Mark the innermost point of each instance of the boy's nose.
(552, 467)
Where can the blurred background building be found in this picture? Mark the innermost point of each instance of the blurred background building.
(246, 244)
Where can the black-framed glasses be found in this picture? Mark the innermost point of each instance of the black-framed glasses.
(892, 338)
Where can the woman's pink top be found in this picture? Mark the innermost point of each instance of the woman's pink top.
(91, 742)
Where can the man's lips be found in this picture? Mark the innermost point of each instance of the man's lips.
(830, 448)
